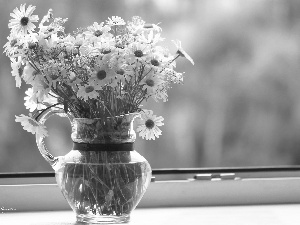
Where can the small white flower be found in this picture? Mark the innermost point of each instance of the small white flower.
(73, 81)
(30, 103)
(181, 52)
(52, 41)
(53, 28)
(135, 26)
(22, 22)
(161, 93)
(115, 21)
(46, 18)
(29, 74)
(150, 38)
(17, 70)
(11, 46)
(37, 81)
(53, 75)
(148, 126)
(151, 26)
(173, 76)
(31, 125)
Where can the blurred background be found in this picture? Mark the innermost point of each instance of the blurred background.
(239, 105)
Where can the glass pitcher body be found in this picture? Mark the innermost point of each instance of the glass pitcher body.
(103, 178)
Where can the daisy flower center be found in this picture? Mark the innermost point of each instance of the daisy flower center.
(31, 45)
(72, 79)
(101, 74)
(45, 86)
(89, 89)
(138, 53)
(150, 82)
(106, 51)
(20, 70)
(53, 76)
(180, 53)
(13, 42)
(154, 62)
(98, 33)
(149, 124)
(34, 73)
(78, 44)
(120, 72)
(31, 122)
(24, 21)
(119, 45)
(147, 25)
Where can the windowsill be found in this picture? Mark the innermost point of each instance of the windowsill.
(234, 215)
(246, 199)
(171, 193)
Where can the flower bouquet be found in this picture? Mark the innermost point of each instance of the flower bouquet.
(98, 77)
(105, 70)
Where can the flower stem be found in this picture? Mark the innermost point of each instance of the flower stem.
(36, 118)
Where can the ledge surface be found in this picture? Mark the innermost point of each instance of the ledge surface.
(283, 214)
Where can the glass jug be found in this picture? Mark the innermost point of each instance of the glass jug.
(102, 178)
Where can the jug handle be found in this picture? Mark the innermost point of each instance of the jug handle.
(40, 139)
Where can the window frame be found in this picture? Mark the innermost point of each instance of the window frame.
(183, 187)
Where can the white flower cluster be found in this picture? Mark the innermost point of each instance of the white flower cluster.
(106, 69)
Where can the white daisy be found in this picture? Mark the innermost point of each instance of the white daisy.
(73, 42)
(151, 26)
(102, 75)
(40, 89)
(37, 81)
(100, 78)
(103, 47)
(51, 41)
(53, 75)
(31, 125)
(32, 103)
(73, 81)
(135, 26)
(30, 74)
(181, 52)
(156, 61)
(124, 73)
(87, 92)
(96, 31)
(22, 22)
(148, 125)
(115, 21)
(150, 38)
(138, 51)
(121, 75)
(12, 45)
(151, 83)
